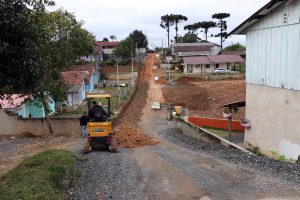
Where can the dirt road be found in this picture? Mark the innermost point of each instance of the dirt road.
(177, 168)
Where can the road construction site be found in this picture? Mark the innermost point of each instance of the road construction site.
(157, 161)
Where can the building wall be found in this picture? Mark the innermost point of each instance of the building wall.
(76, 98)
(273, 48)
(274, 115)
(10, 125)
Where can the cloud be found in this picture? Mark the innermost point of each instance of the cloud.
(119, 17)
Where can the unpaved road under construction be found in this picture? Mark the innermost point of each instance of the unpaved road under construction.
(178, 167)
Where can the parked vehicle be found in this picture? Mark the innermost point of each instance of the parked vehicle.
(221, 71)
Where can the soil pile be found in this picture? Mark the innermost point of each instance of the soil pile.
(128, 136)
(126, 132)
(187, 95)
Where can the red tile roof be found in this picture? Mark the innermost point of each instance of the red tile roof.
(107, 44)
(85, 68)
(73, 77)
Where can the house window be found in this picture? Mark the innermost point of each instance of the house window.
(207, 66)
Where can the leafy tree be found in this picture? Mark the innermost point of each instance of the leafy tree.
(123, 49)
(189, 38)
(22, 41)
(112, 37)
(166, 22)
(105, 39)
(235, 47)
(206, 25)
(67, 41)
(222, 24)
(177, 19)
(139, 38)
(36, 45)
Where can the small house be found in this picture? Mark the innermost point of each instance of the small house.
(273, 78)
(91, 75)
(27, 107)
(207, 64)
(76, 92)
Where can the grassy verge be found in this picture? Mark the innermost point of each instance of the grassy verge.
(221, 132)
(43, 176)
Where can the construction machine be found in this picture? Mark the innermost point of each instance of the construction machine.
(99, 128)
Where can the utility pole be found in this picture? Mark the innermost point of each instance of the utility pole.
(118, 85)
(132, 81)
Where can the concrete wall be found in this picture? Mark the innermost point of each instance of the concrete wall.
(10, 125)
(198, 133)
(275, 120)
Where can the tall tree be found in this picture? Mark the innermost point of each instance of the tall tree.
(222, 24)
(112, 37)
(166, 22)
(139, 38)
(192, 28)
(105, 39)
(177, 19)
(206, 25)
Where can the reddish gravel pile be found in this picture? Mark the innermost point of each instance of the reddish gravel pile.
(128, 136)
(126, 132)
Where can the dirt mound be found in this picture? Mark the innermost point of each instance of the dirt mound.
(128, 136)
(187, 95)
(126, 132)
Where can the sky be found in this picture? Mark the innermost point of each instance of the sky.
(120, 17)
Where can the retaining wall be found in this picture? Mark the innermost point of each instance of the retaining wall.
(198, 133)
(216, 123)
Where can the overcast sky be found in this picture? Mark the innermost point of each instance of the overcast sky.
(120, 17)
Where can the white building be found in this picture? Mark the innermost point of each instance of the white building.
(273, 77)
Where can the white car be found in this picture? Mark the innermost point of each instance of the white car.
(221, 71)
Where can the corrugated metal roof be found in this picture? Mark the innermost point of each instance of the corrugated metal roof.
(196, 60)
(211, 59)
(226, 58)
(257, 16)
(192, 48)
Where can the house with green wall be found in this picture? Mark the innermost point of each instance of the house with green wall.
(35, 109)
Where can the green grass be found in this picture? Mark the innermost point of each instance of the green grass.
(43, 176)
(220, 132)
